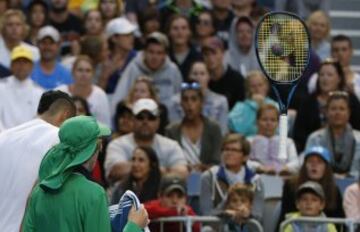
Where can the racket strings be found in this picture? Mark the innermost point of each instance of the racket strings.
(283, 47)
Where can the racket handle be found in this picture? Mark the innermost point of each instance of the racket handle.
(283, 137)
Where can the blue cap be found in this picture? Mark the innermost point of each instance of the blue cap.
(320, 151)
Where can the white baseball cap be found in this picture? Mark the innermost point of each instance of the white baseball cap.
(120, 26)
(48, 31)
(146, 104)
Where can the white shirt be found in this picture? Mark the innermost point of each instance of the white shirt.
(5, 53)
(19, 101)
(98, 103)
(21, 151)
(121, 149)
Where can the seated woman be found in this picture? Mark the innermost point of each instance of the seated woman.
(242, 118)
(83, 72)
(338, 136)
(144, 88)
(144, 176)
(199, 137)
(312, 110)
(216, 181)
(215, 106)
(265, 144)
(316, 167)
(123, 120)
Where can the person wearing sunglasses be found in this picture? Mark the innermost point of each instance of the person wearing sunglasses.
(214, 106)
(216, 181)
(198, 136)
(146, 123)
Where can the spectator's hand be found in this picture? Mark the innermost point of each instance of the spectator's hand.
(242, 214)
(181, 207)
(285, 171)
(258, 98)
(266, 170)
(140, 217)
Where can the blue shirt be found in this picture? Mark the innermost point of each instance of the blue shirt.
(58, 77)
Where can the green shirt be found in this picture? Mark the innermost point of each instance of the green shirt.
(79, 205)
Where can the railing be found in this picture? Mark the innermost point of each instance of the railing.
(189, 220)
(347, 222)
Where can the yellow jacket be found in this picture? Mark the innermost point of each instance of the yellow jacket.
(305, 226)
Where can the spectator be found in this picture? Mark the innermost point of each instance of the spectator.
(316, 167)
(204, 28)
(198, 136)
(149, 22)
(342, 51)
(65, 198)
(223, 16)
(92, 46)
(338, 136)
(248, 8)
(313, 111)
(93, 23)
(216, 181)
(188, 8)
(310, 202)
(351, 201)
(152, 62)
(48, 72)
(13, 33)
(135, 9)
(146, 123)
(265, 144)
(144, 176)
(83, 72)
(37, 17)
(171, 202)
(120, 34)
(181, 51)
(144, 88)
(70, 26)
(82, 107)
(123, 120)
(224, 80)
(21, 151)
(214, 107)
(237, 210)
(110, 9)
(242, 118)
(319, 28)
(18, 93)
(241, 54)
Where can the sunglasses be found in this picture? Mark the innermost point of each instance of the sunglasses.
(192, 85)
(142, 117)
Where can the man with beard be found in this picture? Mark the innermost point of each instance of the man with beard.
(70, 26)
(146, 123)
(48, 72)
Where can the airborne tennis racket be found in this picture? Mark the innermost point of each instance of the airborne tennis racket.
(282, 44)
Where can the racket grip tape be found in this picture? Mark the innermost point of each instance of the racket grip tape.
(283, 124)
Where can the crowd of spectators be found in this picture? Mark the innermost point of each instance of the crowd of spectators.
(179, 84)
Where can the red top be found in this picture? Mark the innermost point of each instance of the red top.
(155, 211)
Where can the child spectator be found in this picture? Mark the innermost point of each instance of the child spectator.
(310, 202)
(265, 145)
(237, 210)
(171, 202)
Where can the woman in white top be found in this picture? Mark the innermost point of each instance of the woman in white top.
(265, 144)
(83, 72)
